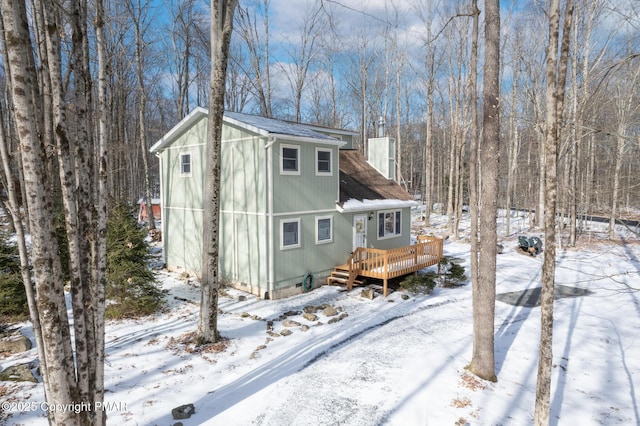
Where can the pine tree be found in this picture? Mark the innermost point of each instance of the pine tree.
(131, 286)
(13, 297)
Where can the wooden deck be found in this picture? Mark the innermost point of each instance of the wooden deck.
(388, 264)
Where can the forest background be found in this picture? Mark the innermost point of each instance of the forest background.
(346, 64)
(88, 86)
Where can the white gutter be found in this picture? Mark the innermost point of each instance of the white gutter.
(268, 215)
(333, 142)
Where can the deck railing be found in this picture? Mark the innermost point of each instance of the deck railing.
(392, 263)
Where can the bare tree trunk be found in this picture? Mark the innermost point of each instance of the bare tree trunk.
(543, 387)
(221, 27)
(556, 72)
(68, 369)
(474, 188)
(542, 166)
(429, 173)
(514, 143)
(181, 38)
(137, 16)
(17, 222)
(615, 192)
(101, 196)
(575, 137)
(624, 106)
(484, 293)
(259, 53)
(302, 54)
(60, 387)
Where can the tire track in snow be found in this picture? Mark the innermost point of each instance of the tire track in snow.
(357, 334)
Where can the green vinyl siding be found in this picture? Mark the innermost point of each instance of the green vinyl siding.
(292, 263)
(183, 237)
(242, 246)
(306, 191)
(183, 199)
(390, 241)
(242, 176)
(179, 190)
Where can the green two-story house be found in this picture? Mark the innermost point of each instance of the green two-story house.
(296, 200)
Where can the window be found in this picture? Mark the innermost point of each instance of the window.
(185, 164)
(323, 161)
(290, 163)
(290, 233)
(324, 229)
(389, 224)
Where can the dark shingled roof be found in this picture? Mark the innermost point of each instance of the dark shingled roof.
(361, 181)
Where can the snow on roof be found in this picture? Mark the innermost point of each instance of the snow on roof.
(261, 125)
(153, 200)
(353, 205)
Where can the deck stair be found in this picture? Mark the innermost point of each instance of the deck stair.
(340, 276)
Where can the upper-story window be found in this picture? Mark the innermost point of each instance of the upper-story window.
(323, 161)
(389, 224)
(185, 164)
(289, 159)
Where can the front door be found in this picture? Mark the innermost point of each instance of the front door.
(359, 231)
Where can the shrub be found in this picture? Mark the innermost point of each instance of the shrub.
(419, 283)
(131, 286)
(453, 274)
(457, 272)
(13, 297)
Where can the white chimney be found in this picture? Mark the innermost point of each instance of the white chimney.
(380, 127)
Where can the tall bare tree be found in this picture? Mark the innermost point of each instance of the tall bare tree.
(302, 53)
(41, 111)
(258, 49)
(556, 72)
(56, 356)
(222, 12)
(182, 52)
(426, 11)
(625, 106)
(474, 166)
(484, 293)
(138, 12)
(101, 192)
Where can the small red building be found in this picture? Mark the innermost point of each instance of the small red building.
(143, 214)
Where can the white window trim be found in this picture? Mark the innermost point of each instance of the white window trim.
(291, 246)
(330, 240)
(289, 172)
(182, 154)
(323, 173)
(398, 232)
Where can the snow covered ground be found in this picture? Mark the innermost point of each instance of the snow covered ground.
(388, 361)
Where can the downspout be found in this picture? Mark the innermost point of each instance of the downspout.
(234, 273)
(268, 215)
(163, 212)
